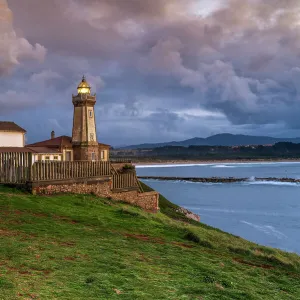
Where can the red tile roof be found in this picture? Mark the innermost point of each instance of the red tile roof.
(58, 142)
(45, 150)
(104, 145)
(15, 149)
(10, 126)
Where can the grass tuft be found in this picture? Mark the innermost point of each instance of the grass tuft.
(193, 237)
(128, 212)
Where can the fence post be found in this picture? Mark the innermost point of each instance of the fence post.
(30, 174)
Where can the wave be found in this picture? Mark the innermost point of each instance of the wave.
(216, 165)
(223, 166)
(276, 183)
(170, 165)
(233, 211)
(181, 181)
(267, 229)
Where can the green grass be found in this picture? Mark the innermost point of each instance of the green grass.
(84, 247)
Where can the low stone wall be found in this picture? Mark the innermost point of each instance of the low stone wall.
(148, 201)
(100, 187)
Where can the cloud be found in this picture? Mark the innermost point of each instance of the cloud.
(14, 49)
(157, 64)
(14, 101)
(44, 76)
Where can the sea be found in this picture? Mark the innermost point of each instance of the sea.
(267, 213)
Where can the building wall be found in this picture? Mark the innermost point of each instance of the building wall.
(102, 188)
(90, 120)
(42, 157)
(64, 158)
(85, 153)
(12, 139)
(77, 122)
(103, 154)
(84, 126)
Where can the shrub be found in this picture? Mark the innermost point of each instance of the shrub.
(191, 236)
(128, 167)
(90, 280)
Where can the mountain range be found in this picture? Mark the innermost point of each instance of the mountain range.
(223, 139)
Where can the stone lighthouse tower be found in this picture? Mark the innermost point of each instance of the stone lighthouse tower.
(84, 137)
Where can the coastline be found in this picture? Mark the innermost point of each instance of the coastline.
(222, 179)
(216, 161)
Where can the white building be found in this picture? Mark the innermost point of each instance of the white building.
(11, 135)
(45, 154)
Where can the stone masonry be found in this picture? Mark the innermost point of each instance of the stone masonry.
(84, 152)
(100, 187)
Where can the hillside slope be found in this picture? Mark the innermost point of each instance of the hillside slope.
(83, 247)
(223, 139)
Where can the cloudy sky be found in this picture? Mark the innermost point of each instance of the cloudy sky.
(162, 69)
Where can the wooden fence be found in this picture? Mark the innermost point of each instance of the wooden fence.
(43, 171)
(124, 181)
(18, 168)
(15, 167)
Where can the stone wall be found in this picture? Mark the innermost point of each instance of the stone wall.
(84, 152)
(147, 201)
(100, 187)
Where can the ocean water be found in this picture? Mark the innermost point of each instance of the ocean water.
(274, 169)
(267, 213)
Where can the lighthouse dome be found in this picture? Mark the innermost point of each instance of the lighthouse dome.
(83, 87)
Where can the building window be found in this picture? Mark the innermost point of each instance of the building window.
(55, 157)
(47, 157)
(90, 113)
(102, 155)
(93, 156)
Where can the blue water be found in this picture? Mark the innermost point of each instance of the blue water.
(267, 213)
(276, 169)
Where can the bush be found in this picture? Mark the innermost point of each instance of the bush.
(90, 280)
(128, 167)
(191, 236)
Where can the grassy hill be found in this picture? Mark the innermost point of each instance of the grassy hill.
(83, 247)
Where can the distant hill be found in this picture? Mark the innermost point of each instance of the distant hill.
(224, 139)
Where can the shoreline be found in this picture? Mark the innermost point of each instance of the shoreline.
(222, 179)
(224, 161)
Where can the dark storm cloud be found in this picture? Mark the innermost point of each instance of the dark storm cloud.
(151, 60)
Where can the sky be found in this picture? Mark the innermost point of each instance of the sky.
(162, 70)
